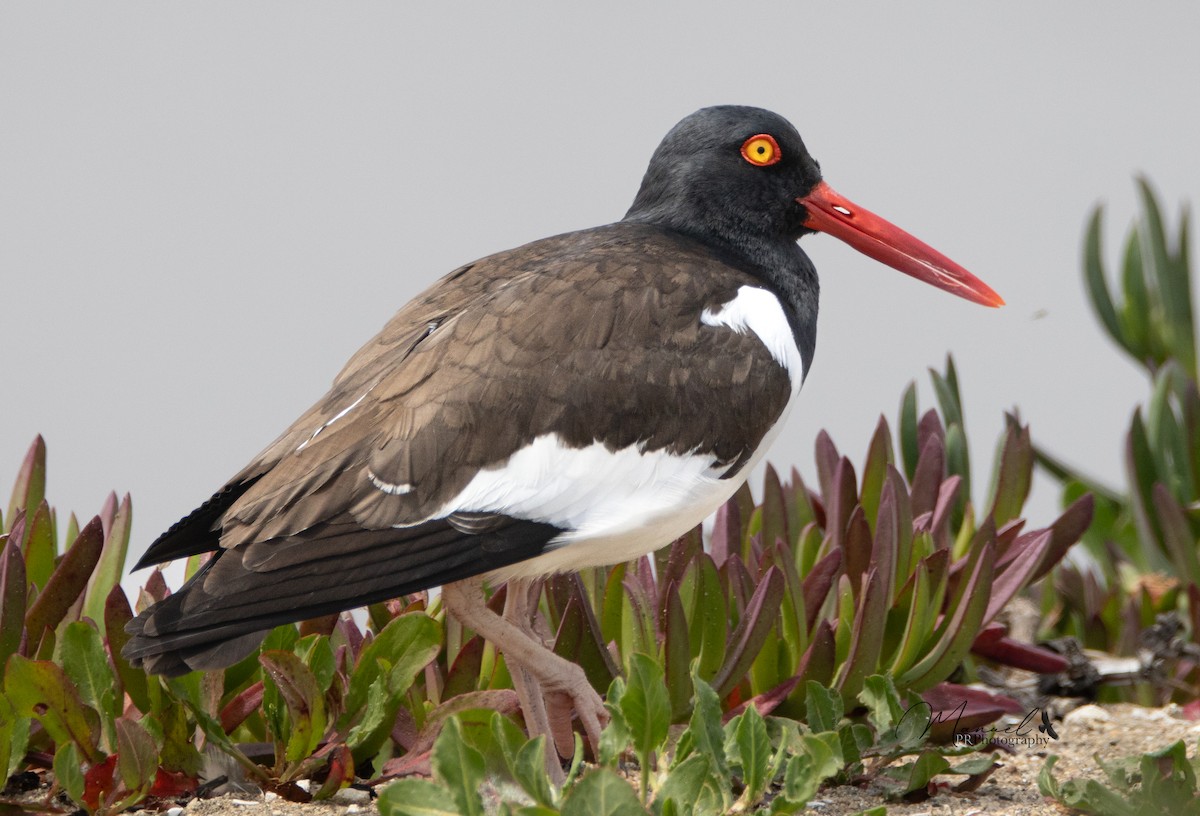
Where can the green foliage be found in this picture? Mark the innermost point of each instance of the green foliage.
(1158, 783)
(862, 594)
(1145, 540)
(748, 764)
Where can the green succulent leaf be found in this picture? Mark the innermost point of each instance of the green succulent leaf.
(137, 756)
(1096, 279)
(751, 751)
(85, 662)
(41, 690)
(529, 769)
(602, 793)
(645, 708)
(304, 700)
(111, 565)
(68, 770)
(824, 708)
(460, 767)
(416, 797)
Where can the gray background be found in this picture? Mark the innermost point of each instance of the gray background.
(205, 209)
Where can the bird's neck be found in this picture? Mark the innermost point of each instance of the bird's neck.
(781, 265)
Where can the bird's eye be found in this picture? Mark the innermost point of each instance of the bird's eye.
(761, 150)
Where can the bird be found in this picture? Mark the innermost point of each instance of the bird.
(578, 401)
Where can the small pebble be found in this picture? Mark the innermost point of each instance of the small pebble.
(243, 802)
(270, 796)
(175, 811)
(1086, 716)
(351, 796)
(354, 809)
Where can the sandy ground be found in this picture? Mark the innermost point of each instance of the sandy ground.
(1110, 732)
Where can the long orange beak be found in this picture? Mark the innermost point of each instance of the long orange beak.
(887, 243)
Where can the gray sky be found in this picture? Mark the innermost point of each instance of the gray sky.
(205, 209)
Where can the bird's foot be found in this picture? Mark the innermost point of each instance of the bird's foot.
(547, 685)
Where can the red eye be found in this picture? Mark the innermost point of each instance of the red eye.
(761, 150)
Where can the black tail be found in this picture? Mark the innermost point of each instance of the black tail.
(224, 611)
(198, 531)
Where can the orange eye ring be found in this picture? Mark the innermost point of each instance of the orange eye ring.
(761, 150)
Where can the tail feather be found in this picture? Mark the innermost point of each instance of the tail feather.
(196, 532)
(224, 611)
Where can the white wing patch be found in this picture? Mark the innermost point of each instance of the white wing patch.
(757, 310)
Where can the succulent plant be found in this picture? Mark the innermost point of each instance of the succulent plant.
(1145, 544)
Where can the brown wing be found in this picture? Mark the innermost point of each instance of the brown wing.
(349, 505)
(470, 372)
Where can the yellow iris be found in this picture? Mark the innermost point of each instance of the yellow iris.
(761, 150)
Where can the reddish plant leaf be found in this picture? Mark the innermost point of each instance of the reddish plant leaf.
(746, 640)
(886, 554)
(774, 514)
(12, 600)
(133, 681)
(820, 660)
(1065, 531)
(930, 426)
(172, 784)
(681, 554)
(30, 486)
(243, 704)
(931, 471)
(340, 773)
(866, 641)
(959, 709)
(740, 584)
(857, 547)
(98, 782)
(67, 581)
(463, 675)
(727, 532)
(1027, 555)
(817, 584)
(841, 501)
(766, 702)
(108, 512)
(827, 457)
(939, 527)
(579, 640)
(303, 697)
(411, 764)
(1008, 652)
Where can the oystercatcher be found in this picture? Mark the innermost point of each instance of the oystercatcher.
(577, 401)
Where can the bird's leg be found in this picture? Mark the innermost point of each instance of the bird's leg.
(552, 708)
(518, 610)
(524, 654)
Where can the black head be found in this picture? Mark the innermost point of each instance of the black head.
(713, 178)
(741, 177)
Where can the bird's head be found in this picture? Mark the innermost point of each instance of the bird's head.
(742, 176)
